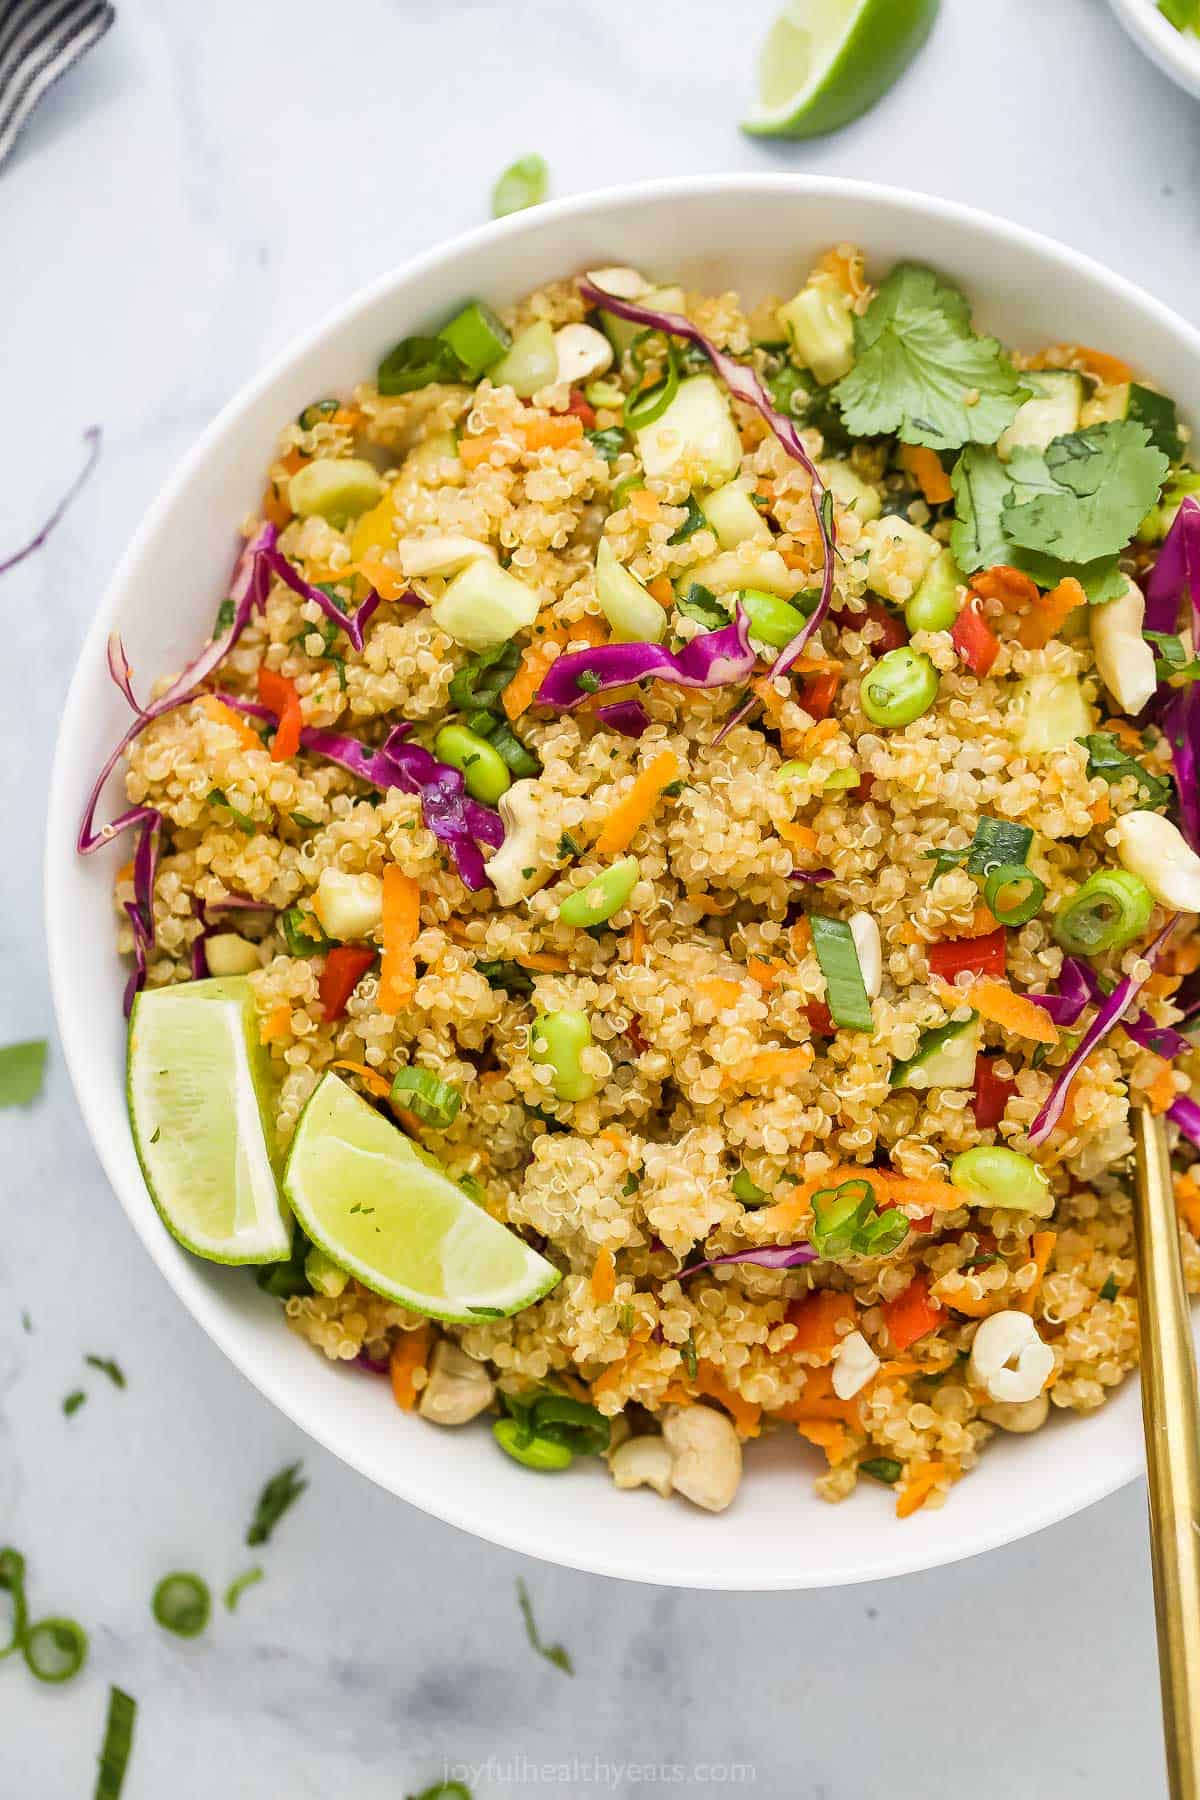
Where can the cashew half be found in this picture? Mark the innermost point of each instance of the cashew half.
(1156, 851)
(1009, 1359)
(854, 1365)
(1124, 658)
(865, 933)
(706, 1455)
(1018, 1415)
(444, 554)
(643, 1462)
(623, 282)
(458, 1388)
(582, 352)
(512, 869)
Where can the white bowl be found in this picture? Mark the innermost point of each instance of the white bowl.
(749, 232)
(1176, 55)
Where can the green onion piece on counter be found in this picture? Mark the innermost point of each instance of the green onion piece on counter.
(602, 896)
(553, 1653)
(417, 362)
(747, 1191)
(484, 771)
(117, 1746)
(443, 1790)
(434, 1102)
(73, 1401)
(524, 183)
(281, 1492)
(557, 1041)
(901, 686)
(1013, 893)
(12, 1581)
(22, 1070)
(648, 403)
(882, 1468)
(846, 992)
(55, 1649)
(477, 338)
(238, 1586)
(1111, 909)
(107, 1366)
(542, 1454)
(997, 842)
(182, 1603)
(992, 1175)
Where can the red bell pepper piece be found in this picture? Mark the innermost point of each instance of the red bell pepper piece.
(892, 633)
(820, 1019)
(991, 1093)
(819, 692)
(973, 638)
(981, 955)
(344, 968)
(582, 409)
(279, 693)
(912, 1314)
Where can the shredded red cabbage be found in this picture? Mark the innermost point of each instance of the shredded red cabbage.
(771, 1256)
(1176, 573)
(1108, 1014)
(629, 717)
(1186, 1114)
(1176, 570)
(373, 1364)
(745, 384)
(1079, 986)
(91, 438)
(711, 660)
(811, 875)
(351, 623)
(141, 908)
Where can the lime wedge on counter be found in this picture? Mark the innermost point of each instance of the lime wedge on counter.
(386, 1212)
(201, 1108)
(825, 62)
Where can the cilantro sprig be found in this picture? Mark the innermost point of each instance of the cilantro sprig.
(1107, 759)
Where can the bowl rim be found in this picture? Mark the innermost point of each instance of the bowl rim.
(205, 1306)
(1176, 55)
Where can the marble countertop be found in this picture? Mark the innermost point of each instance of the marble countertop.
(211, 180)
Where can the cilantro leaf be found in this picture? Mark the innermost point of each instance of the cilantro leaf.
(1107, 758)
(1172, 660)
(983, 488)
(1085, 496)
(920, 370)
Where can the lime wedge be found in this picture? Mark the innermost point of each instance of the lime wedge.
(200, 1104)
(826, 61)
(389, 1214)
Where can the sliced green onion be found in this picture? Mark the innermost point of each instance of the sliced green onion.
(302, 933)
(646, 404)
(416, 362)
(846, 991)
(508, 977)
(694, 520)
(846, 1222)
(485, 677)
(243, 821)
(608, 444)
(882, 1468)
(238, 1586)
(700, 603)
(73, 1401)
(504, 740)
(22, 1070)
(1111, 909)
(477, 337)
(523, 183)
(553, 1653)
(12, 1581)
(182, 1604)
(602, 393)
(998, 842)
(107, 1365)
(117, 1745)
(1013, 893)
(55, 1649)
(746, 1190)
(432, 1101)
(584, 1429)
(626, 486)
(312, 415)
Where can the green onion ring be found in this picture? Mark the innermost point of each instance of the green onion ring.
(419, 1091)
(182, 1604)
(1111, 909)
(645, 405)
(1013, 875)
(12, 1580)
(55, 1649)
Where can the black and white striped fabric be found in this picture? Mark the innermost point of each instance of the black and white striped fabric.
(39, 41)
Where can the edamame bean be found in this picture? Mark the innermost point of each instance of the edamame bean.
(995, 1176)
(484, 771)
(602, 896)
(532, 1452)
(902, 685)
(772, 620)
(834, 783)
(557, 1041)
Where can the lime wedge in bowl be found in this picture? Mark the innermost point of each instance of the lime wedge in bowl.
(825, 62)
(200, 1103)
(386, 1212)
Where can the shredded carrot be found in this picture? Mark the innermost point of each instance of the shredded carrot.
(816, 1320)
(475, 450)
(387, 582)
(1048, 613)
(554, 433)
(456, 929)
(845, 264)
(1161, 1091)
(277, 1024)
(408, 1121)
(644, 506)
(765, 972)
(788, 1213)
(968, 1304)
(930, 1195)
(292, 462)
(983, 922)
(923, 1479)
(720, 991)
(372, 1080)
(1187, 1201)
(1012, 587)
(543, 962)
(774, 702)
(996, 1001)
(634, 808)
(410, 1352)
(912, 1314)
(801, 936)
(660, 589)
(283, 697)
(1042, 1245)
(347, 415)
(828, 1436)
(745, 1415)
(803, 836)
(819, 735)
(637, 942)
(818, 1401)
(897, 1370)
(1101, 810)
(603, 1284)
(706, 904)
(401, 923)
(225, 715)
(274, 508)
(1126, 736)
(925, 467)
(774, 1065)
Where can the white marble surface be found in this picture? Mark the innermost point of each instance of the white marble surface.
(211, 181)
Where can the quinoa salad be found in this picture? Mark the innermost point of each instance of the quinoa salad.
(650, 913)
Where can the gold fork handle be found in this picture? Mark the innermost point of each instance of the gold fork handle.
(1171, 1418)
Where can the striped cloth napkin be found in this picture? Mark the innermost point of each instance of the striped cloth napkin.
(39, 41)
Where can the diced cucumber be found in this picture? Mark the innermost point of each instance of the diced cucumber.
(434, 449)
(1130, 400)
(1050, 712)
(850, 491)
(1053, 410)
(729, 571)
(820, 328)
(944, 1057)
(695, 436)
(336, 488)
(1159, 520)
(621, 332)
(934, 606)
(485, 605)
(889, 537)
(733, 516)
(635, 616)
(530, 364)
